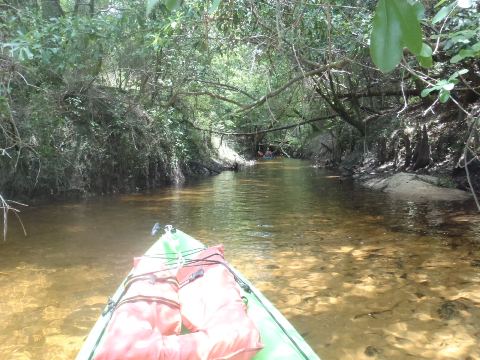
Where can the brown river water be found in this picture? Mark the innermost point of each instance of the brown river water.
(360, 274)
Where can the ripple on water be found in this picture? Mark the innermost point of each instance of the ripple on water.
(361, 275)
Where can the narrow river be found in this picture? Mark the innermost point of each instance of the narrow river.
(360, 274)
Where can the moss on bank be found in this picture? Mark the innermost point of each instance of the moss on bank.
(100, 140)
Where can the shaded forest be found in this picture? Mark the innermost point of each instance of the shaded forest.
(106, 96)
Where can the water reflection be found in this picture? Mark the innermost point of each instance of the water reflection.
(359, 273)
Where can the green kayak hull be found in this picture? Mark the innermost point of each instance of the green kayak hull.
(280, 339)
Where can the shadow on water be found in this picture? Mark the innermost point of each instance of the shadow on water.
(360, 274)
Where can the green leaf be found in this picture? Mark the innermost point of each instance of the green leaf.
(214, 6)
(449, 86)
(455, 59)
(440, 84)
(442, 14)
(395, 25)
(21, 56)
(464, 53)
(419, 10)
(24, 54)
(425, 61)
(464, 34)
(426, 51)
(443, 96)
(456, 74)
(410, 26)
(150, 5)
(426, 92)
(171, 4)
(439, 3)
(425, 56)
(385, 40)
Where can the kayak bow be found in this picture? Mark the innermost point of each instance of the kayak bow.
(280, 339)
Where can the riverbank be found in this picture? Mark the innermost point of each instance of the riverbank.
(417, 154)
(207, 158)
(414, 187)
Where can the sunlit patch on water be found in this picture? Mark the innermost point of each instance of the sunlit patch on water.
(260, 234)
(359, 274)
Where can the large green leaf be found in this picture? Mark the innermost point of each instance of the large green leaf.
(171, 4)
(409, 24)
(385, 40)
(395, 25)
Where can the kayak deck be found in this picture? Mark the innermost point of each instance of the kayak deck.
(280, 338)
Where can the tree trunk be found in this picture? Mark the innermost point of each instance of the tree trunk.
(92, 7)
(336, 105)
(382, 150)
(408, 150)
(422, 151)
(76, 7)
(78, 3)
(51, 9)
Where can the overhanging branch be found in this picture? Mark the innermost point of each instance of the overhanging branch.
(337, 64)
(407, 92)
(264, 130)
(201, 93)
(222, 85)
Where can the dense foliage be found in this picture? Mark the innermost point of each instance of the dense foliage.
(112, 95)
